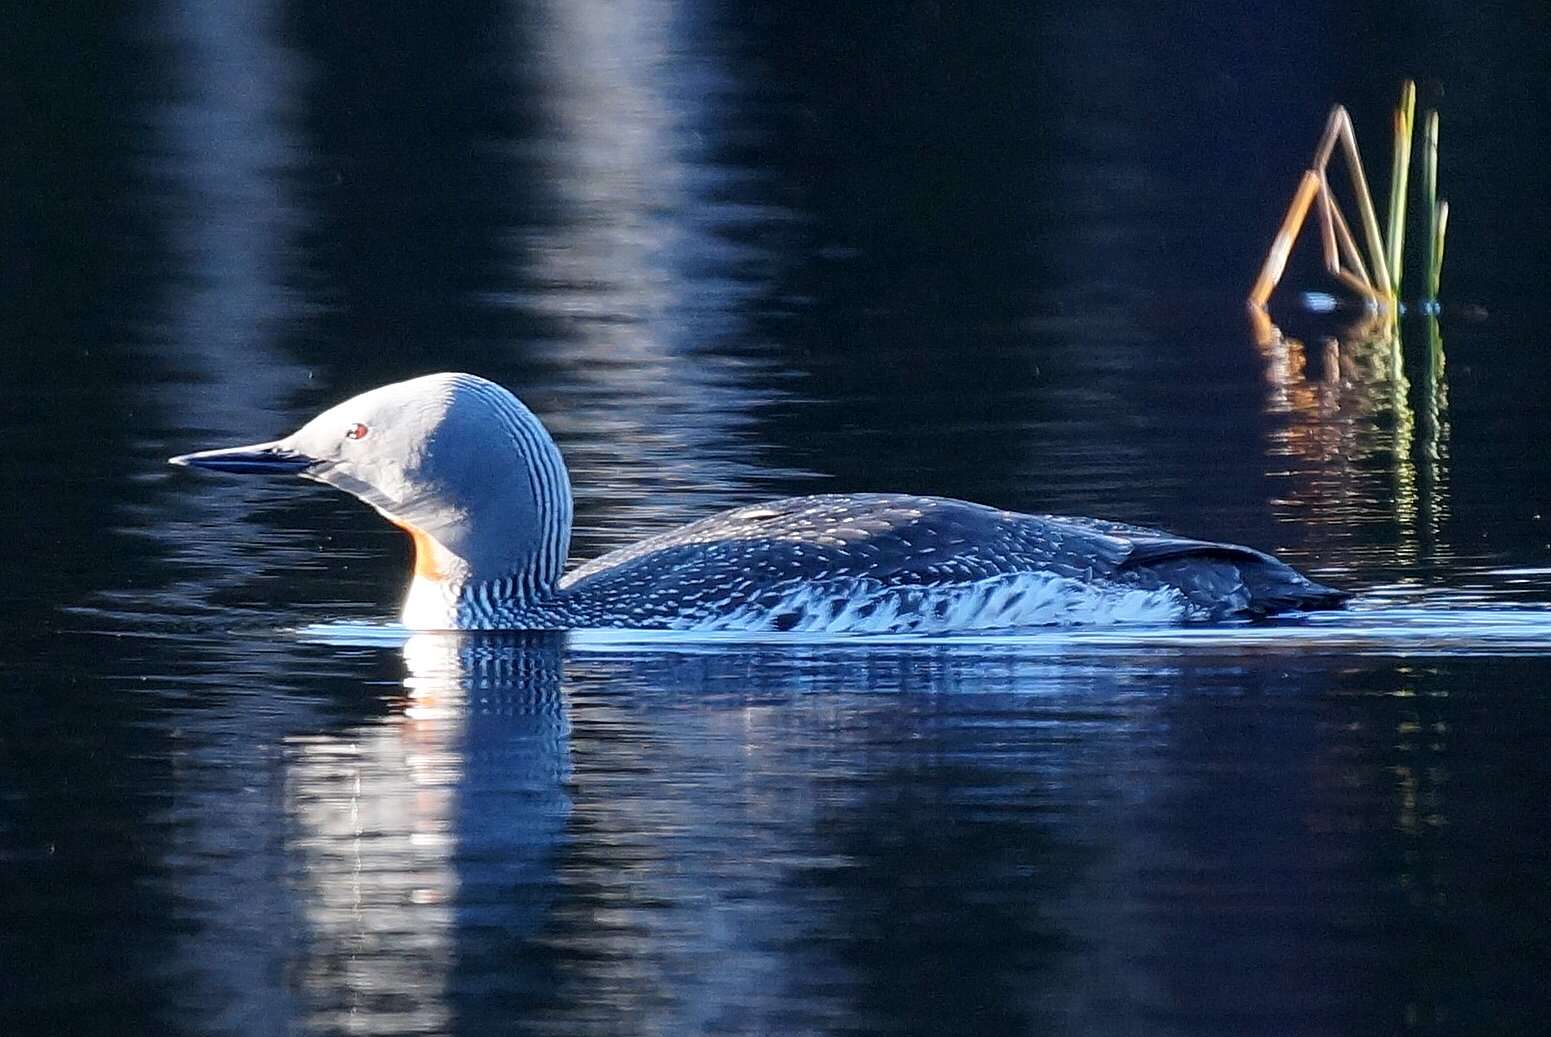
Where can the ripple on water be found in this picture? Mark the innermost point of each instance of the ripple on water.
(1390, 622)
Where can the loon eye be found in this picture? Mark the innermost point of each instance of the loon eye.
(356, 431)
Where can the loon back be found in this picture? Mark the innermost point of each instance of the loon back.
(900, 563)
(474, 478)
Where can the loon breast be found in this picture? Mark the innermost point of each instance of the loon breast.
(901, 563)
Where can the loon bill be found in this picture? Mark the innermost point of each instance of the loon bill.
(473, 477)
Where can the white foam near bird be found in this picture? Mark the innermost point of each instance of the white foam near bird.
(474, 478)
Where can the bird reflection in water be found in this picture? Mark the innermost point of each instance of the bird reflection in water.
(439, 819)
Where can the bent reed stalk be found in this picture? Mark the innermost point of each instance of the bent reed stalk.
(1378, 279)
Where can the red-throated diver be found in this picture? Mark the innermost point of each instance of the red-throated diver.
(472, 475)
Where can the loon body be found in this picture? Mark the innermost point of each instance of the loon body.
(474, 478)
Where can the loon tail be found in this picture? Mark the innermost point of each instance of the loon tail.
(1271, 592)
(1228, 580)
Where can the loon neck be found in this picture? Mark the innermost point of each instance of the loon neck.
(452, 592)
(483, 604)
(493, 529)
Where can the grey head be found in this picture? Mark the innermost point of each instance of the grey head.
(455, 460)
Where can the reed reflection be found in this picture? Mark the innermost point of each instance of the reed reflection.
(1346, 441)
(425, 840)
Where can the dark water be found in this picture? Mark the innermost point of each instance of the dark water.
(728, 252)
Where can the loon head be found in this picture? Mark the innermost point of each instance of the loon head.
(456, 461)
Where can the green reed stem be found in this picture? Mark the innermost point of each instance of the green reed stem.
(1430, 190)
(1400, 169)
(1435, 270)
